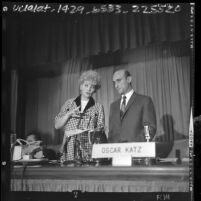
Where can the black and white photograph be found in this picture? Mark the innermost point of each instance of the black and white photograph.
(98, 101)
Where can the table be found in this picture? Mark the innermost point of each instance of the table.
(157, 178)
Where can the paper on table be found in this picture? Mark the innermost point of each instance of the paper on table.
(75, 132)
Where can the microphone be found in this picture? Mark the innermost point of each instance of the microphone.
(147, 132)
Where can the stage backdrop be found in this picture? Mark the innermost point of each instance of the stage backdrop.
(161, 71)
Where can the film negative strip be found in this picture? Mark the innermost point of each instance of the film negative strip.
(153, 41)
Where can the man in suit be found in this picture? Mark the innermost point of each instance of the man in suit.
(130, 113)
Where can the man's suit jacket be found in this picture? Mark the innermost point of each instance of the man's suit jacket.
(130, 128)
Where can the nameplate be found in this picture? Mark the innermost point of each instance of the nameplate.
(134, 149)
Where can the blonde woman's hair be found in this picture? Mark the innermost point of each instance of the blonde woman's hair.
(92, 76)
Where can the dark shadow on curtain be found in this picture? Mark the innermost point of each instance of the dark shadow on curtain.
(58, 136)
(21, 105)
(136, 55)
(165, 141)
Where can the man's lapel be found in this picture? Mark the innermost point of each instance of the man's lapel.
(116, 110)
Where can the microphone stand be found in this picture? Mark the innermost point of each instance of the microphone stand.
(64, 149)
(77, 146)
(147, 137)
(77, 151)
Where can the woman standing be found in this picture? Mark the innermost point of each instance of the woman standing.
(79, 116)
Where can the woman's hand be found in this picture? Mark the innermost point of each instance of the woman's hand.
(75, 112)
(60, 122)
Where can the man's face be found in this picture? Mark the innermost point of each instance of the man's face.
(122, 84)
(31, 138)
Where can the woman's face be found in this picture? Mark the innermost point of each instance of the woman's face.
(87, 89)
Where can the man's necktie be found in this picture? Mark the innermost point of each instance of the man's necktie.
(123, 106)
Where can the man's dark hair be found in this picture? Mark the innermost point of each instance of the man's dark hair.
(126, 72)
(36, 135)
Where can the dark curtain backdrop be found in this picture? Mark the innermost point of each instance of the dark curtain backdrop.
(39, 40)
(49, 53)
